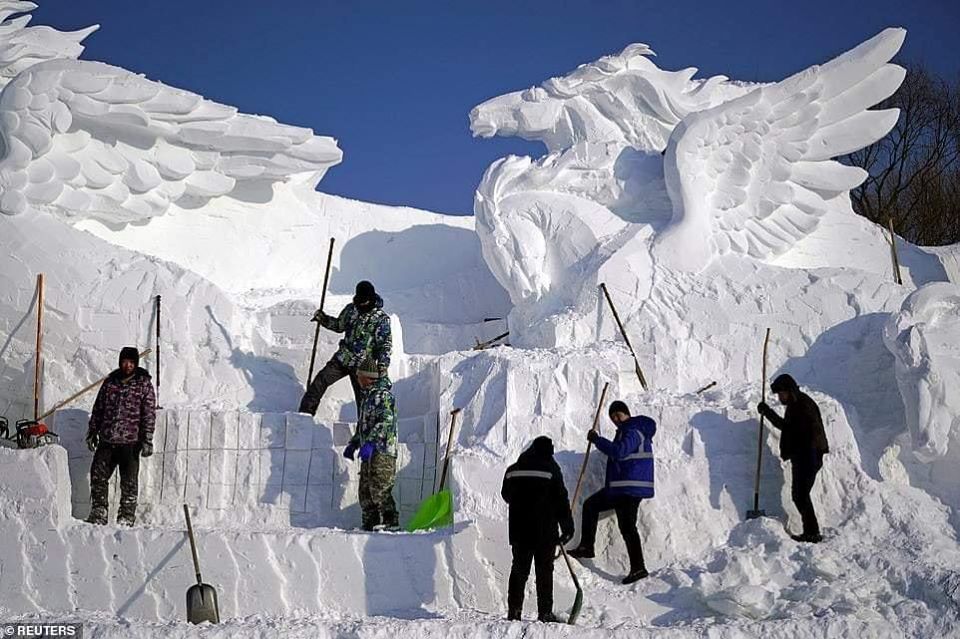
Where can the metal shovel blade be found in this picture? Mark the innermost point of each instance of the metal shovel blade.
(202, 604)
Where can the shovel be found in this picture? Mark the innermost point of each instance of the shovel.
(578, 599)
(437, 510)
(201, 598)
(756, 512)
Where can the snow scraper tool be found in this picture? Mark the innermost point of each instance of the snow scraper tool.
(756, 512)
(437, 510)
(578, 599)
(201, 598)
(623, 332)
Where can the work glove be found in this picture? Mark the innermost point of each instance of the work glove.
(318, 316)
(764, 409)
(350, 450)
(146, 449)
(367, 451)
(565, 538)
(592, 436)
(92, 440)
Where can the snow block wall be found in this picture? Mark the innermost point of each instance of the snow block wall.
(268, 469)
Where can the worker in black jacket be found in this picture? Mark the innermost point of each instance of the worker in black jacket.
(803, 443)
(539, 506)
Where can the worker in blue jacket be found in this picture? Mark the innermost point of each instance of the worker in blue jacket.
(629, 480)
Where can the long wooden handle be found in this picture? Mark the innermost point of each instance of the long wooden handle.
(893, 253)
(193, 545)
(83, 391)
(586, 458)
(763, 395)
(446, 458)
(623, 332)
(37, 364)
(323, 300)
(158, 350)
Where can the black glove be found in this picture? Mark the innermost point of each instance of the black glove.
(318, 316)
(146, 449)
(764, 409)
(565, 538)
(592, 436)
(92, 440)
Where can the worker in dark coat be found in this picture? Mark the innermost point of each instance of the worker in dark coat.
(540, 519)
(803, 443)
(629, 480)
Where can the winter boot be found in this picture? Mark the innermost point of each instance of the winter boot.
(808, 538)
(97, 516)
(513, 614)
(581, 553)
(635, 575)
(548, 617)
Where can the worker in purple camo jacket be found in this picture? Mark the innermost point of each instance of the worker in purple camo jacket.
(120, 432)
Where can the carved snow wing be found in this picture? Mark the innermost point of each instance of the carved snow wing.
(89, 140)
(752, 176)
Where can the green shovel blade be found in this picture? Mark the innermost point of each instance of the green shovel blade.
(435, 511)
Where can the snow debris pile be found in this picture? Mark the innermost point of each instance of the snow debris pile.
(711, 209)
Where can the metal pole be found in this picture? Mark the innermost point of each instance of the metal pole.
(158, 351)
(756, 512)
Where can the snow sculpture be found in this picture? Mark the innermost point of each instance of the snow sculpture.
(88, 140)
(925, 340)
(746, 170)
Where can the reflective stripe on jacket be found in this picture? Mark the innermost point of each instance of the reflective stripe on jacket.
(630, 458)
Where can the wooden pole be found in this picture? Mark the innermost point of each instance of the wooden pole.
(586, 458)
(323, 299)
(37, 366)
(893, 253)
(623, 332)
(756, 512)
(446, 458)
(81, 392)
(157, 345)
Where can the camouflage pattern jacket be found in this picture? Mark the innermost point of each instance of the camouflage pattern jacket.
(378, 418)
(366, 334)
(125, 411)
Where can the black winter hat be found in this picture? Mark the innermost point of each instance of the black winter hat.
(131, 353)
(784, 383)
(543, 446)
(365, 291)
(618, 407)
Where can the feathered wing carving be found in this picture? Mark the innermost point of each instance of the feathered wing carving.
(86, 139)
(751, 176)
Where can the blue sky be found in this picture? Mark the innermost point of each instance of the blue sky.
(394, 81)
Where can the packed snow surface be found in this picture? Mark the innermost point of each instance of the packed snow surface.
(712, 209)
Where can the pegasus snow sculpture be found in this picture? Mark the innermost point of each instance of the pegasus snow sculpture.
(88, 140)
(648, 161)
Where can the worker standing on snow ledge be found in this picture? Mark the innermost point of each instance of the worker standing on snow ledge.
(629, 481)
(533, 487)
(376, 441)
(367, 332)
(803, 442)
(120, 432)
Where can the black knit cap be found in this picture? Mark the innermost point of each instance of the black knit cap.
(543, 446)
(618, 407)
(784, 383)
(131, 353)
(365, 291)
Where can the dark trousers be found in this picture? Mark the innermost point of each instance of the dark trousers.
(523, 556)
(626, 508)
(804, 469)
(330, 374)
(107, 459)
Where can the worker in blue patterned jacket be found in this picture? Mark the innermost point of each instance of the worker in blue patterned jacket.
(629, 481)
